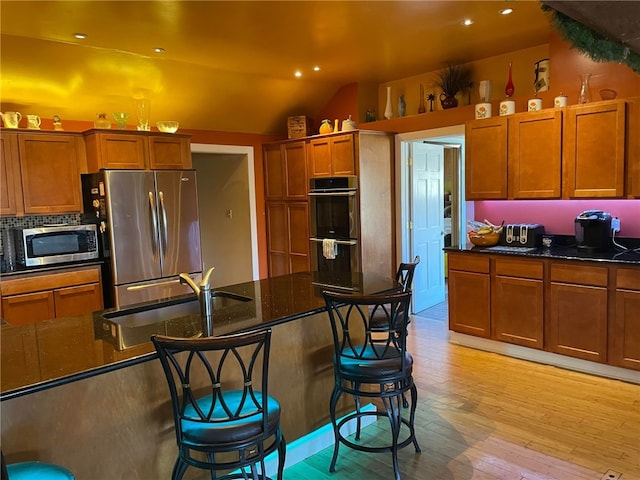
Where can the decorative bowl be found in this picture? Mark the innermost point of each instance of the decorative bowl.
(167, 126)
(608, 94)
(484, 240)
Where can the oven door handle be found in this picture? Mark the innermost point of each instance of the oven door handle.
(351, 193)
(339, 242)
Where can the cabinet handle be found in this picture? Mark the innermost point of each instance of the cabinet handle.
(75, 290)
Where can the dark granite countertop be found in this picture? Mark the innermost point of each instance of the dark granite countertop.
(46, 354)
(561, 252)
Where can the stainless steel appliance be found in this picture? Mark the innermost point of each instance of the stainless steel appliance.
(53, 244)
(333, 204)
(526, 235)
(593, 231)
(149, 231)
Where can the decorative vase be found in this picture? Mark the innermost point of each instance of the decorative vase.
(585, 89)
(448, 101)
(121, 119)
(421, 107)
(325, 127)
(388, 111)
(510, 88)
(402, 106)
(102, 121)
(484, 89)
(143, 106)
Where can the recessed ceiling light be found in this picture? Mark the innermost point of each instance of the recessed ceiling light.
(80, 36)
(316, 68)
(506, 11)
(298, 73)
(158, 49)
(467, 22)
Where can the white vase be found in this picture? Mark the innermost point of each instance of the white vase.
(484, 88)
(388, 111)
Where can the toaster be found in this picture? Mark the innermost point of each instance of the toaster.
(522, 235)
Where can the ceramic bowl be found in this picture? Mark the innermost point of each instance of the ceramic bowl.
(608, 94)
(486, 240)
(167, 126)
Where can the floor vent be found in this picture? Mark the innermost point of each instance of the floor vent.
(611, 475)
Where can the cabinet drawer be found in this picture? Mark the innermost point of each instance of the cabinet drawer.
(581, 275)
(628, 278)
(37, 283)
(518, 268)
(468, 263)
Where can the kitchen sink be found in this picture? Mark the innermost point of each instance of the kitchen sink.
(179, 317)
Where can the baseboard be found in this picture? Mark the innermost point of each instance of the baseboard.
(547, 358)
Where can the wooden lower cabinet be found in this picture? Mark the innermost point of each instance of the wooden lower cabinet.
(469, 295)
(517, 302)
(36, 298)
(624, 331)
(287, 237)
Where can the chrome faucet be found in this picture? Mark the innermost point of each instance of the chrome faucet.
(203, 291)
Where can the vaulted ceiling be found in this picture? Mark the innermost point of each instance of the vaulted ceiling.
(230, 65)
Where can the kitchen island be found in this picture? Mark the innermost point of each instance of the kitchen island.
(106, 413)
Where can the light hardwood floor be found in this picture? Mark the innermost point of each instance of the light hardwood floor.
(484, 416)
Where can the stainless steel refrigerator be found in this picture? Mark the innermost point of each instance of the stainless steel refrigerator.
(148, 220)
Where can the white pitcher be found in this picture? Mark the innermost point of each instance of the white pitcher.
(33, 122)
(11, 119)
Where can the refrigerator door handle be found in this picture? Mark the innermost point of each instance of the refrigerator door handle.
(165, 228)
(154, 222)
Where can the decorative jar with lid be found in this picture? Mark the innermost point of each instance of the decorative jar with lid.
(102, 121)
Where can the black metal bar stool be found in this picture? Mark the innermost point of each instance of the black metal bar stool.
(222, 422)
(372, 361)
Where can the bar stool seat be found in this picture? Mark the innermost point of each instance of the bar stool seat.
(37, 471)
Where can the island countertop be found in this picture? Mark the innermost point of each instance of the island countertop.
(43, 355)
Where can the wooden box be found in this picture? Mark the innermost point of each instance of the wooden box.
(299, 126)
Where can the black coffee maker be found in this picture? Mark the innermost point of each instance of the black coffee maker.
(593, 231)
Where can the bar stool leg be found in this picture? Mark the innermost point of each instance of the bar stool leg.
(414, 401)
(335, 396)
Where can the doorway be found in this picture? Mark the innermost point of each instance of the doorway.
(431, 205)
(227, 211)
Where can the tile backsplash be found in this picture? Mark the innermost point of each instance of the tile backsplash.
(32, 221)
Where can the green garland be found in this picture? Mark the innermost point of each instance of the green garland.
(594, 45)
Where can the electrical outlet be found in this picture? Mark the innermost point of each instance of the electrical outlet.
(615, 224)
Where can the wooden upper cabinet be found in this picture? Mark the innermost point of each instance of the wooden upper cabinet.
(633, 147)
(295, 171)
(486, 159)
(10, 188)
(136, 150)
(273, 171)
(594, 150)
(49, 169)
(332, 156)
(169, 151)
(535, 154)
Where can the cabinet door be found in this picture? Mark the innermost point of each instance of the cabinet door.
(28, 308)
(10, 188)
(486, 159)
(116, 150)
(517, 311)
(298, 232)
(273, 172)
(295, 170)
(633, 155)
(578, 321)
(625, 333)
(535, 154)
(50, 174)
(169, 152)
(78, 300)
(343, 155)
(319, 157)
(277, 241)
(594, 150)
(469, 300)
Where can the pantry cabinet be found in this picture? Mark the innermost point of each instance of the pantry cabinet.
(624, 330)
(285, 170)
(31, 298)
(287, 237)
(594, 150)
(517, 303)
(136, 150)
(41, 173)
(332, 156)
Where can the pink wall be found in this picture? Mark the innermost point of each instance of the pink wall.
(557, 215)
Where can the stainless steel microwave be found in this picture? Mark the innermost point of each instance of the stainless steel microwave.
(56, 244)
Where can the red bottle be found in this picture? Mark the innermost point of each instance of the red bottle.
(509, 89)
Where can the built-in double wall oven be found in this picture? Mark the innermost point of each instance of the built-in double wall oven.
(335, 243)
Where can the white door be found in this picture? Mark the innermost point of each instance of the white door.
(427, 217)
